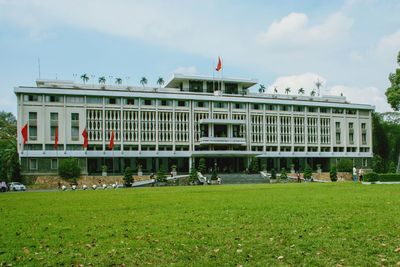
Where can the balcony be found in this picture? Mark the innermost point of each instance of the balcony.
(222, 121)
(222, 141)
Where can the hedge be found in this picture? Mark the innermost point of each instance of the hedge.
(383, 177)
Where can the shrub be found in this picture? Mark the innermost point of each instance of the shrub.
(202, 166)
(273, 174)
(345, 165)
(128, 178)
(371, 177)
(389, 177)
(333, 173)
(377, 164)
(69, 169)
(214, 175)
(307, 172)
(104, 168)
(254, 166)
(161, 174)
(392, 167)
(283, 174)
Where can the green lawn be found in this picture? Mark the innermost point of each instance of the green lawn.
(284, 224)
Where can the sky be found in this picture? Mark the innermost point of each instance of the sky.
(351, 46)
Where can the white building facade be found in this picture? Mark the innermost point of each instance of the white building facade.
(192, 117)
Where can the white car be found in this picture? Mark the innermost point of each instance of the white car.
(16, 186)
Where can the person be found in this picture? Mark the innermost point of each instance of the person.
(354, 174)
(298, 177)
(360, 175)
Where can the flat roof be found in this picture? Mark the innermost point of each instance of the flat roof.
(177, 78)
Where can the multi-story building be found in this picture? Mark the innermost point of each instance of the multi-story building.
(191, 117)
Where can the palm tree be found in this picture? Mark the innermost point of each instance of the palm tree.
(102, 80)
(275, 90)
(84, 78)
(318, 84)
(287, 90)
(301, 91)
(143, 81)
(261, 89)
(160, 81)
(312, 93)
(118, 81)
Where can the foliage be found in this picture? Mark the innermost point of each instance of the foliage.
(202, 166)
(377, 164)
(283, 174)
(307, 172)
(273, 173)
(254, 166)
(389, 177)
(143, 81)
(193, 174)
(104, 168)
(393, 92)
(371, 177)
(392, 167)
(345, 165)
(160, 81)
(161, 175)
(333, 173)
(128, 176)
(69, 169)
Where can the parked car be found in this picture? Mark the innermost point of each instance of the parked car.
(16, 186)
(3, 187)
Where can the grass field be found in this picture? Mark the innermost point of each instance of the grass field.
(285, 224)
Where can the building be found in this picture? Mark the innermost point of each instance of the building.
(191, 117)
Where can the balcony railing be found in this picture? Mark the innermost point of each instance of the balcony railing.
(223, 140)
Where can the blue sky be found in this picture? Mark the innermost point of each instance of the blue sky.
(349, 45)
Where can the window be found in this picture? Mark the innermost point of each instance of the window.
(298, 108)
(195, 86)
(337, 124)
(219, 105)
(271, 107)
(53, 125)
(130, 101)
(112, 101)
(33, 164)
(285, 108)
(147, 102)
(364, 162)
(312, 109)
(338, 138)
(364, 138)
(351, 138)
(164, 103)
(32, 119)
(94, 100)
(32, 98)
(351, 111)
(200, 104)
(75, 99)
(212, 86)
(256, 106)
(239, 106)
(231, 88)
(54, 98)
(75, 126)
(324, 110)
(363, 126)
(54, 164)
(182, 103)
(337, 111)
(351, 125)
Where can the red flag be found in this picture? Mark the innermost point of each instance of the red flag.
(85, 138)
(111, 145)
(24, 132)
(56, 138)
(219, 64)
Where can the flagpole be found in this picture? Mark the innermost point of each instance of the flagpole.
(212, 67)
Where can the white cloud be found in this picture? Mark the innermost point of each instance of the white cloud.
(305, 81)
(294, 30)
(186, 70)
(389, 45)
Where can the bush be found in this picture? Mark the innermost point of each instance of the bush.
(389, 177)
(128, 178)
(202, 166)
(333, 173)
(371, 177)
(214, 175)
(345, 165)
(161, 174)
(193, 174)
(283, 174)
(307, 172)
(273, 174)
(69, 169)
(377, 164)
(392, 167)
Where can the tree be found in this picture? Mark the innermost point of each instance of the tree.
(193, 177)
(161, 175)
(345, 165)
(128, 177)
(102, 80)
(254, 166)
(8, 125)
(10, 168)
(392, 167)
(261, 89)
(69, 169)
(118, 81)
(312, 93)
(143, 81)
(333, 173)
(307, 172)
(283, 174)
(275, 90)
(273, 173)
(393, 92)
(301, 91)
(202, 166)
(214, 174)
(287, 90)
(378, 164)
(84, 78)
(160, 81)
